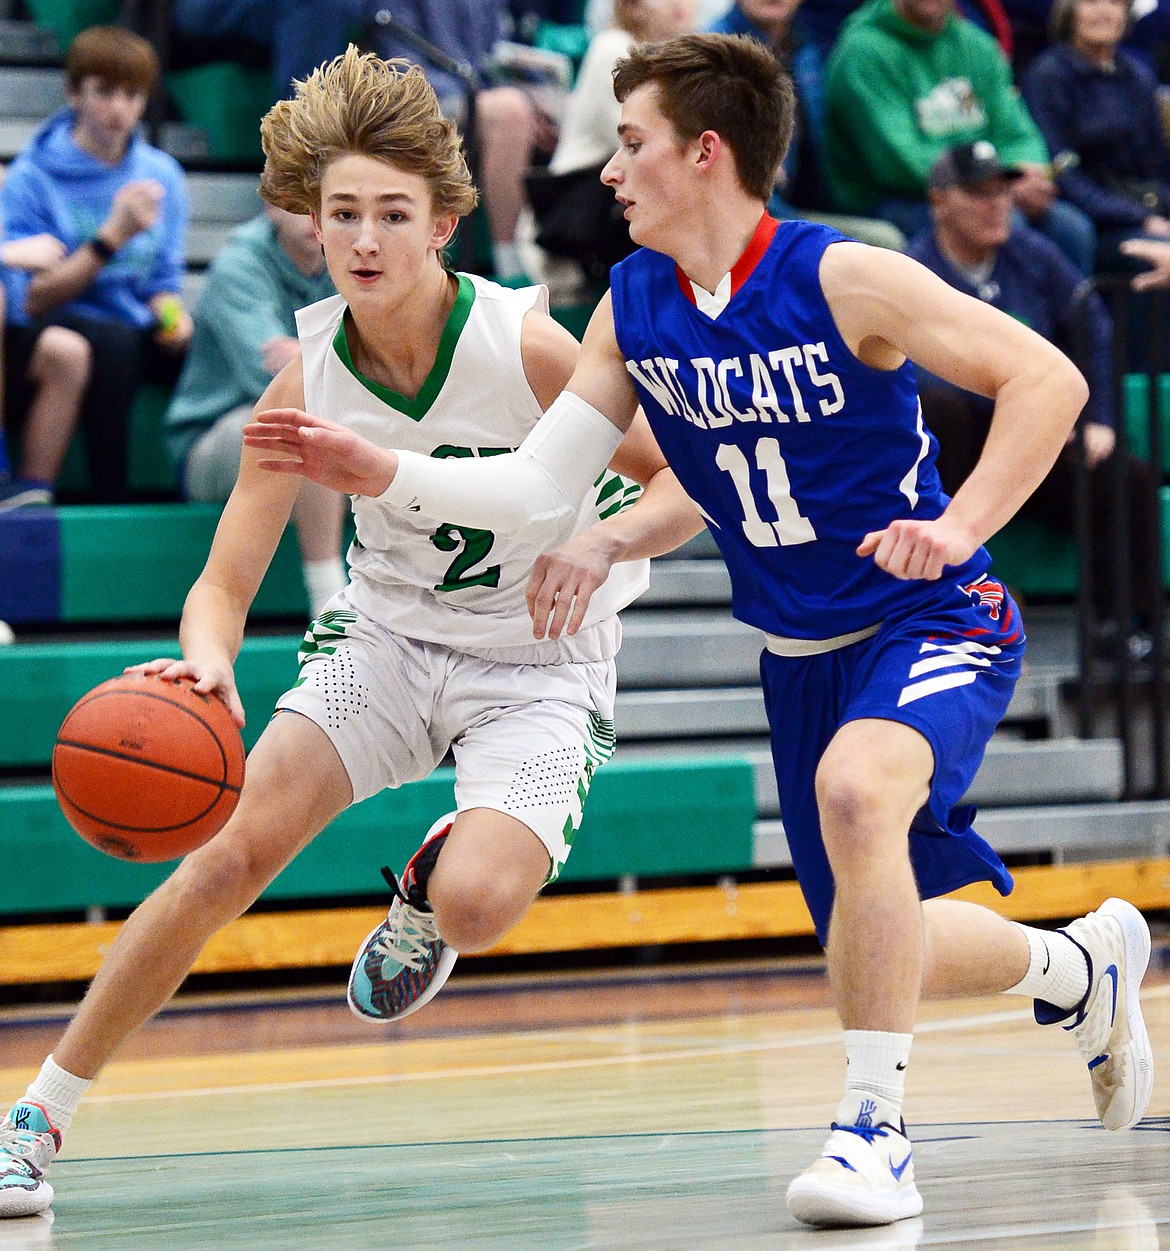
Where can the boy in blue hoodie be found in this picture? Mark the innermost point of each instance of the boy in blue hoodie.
(119, 207)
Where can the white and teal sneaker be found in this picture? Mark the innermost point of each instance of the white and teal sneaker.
(1108, 1027)
(865, 1174)
(403, 963)
(28, 1143)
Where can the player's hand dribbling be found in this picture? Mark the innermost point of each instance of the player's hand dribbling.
(562, 584)
(320, 450)
(918, 549)
(207, 679)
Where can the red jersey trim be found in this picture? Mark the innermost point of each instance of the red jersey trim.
(743, 269)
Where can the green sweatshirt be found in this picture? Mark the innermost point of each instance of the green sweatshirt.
(252, 294)
(897, 96)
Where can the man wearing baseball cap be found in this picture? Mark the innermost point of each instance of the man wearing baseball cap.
(974, 244)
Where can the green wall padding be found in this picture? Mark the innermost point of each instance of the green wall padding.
(137, 562)
(660, 818)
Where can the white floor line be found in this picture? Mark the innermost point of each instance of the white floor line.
(626, 1057)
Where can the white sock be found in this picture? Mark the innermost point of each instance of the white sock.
(876, 1063)
(323, 579)
(58, 1092)
(1057, 972)
(506, 257)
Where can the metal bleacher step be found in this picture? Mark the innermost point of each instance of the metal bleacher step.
(1067, 832)
(665, 651)
(27, 43)
(31, 92)
(687, 582)
(1050, 771)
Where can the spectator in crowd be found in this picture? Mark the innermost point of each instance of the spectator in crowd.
(577, 216)
(588, 134)
(299, 34)
(119, 207)
(974, 246)
(800, 192)
(1147, 37)
(504, 124)
(42, 381)
(245, 334)
(910, 78)
(822, 21)
(1098, 104)
(507, 127)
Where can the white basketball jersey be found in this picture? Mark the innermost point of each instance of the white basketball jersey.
(443, 583)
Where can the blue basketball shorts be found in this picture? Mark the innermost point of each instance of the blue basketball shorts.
(948, 671)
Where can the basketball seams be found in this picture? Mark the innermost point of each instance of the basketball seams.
(221, 784)
(213, 731)
(141, 829)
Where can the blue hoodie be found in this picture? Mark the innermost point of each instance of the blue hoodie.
(55, 187)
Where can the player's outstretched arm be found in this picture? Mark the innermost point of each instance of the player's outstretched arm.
(541, 483)
(888, 307)
(564, 579)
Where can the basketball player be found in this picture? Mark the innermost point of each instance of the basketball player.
(773, 362)
(431, 646)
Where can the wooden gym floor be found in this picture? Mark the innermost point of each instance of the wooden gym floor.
(653, 1109)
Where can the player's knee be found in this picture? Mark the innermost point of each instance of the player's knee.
(851, 803)
(474, 915)
(223, 878)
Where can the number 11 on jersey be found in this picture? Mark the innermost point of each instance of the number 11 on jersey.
(791, 526)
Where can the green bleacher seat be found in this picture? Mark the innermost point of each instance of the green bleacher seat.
(651, 819)
(574, 317)
(1136, 407)
(569, 40)
(69, 17)
(226, 101)
(40, 682)
(151, 471)
(1035, 559)
(137, 562)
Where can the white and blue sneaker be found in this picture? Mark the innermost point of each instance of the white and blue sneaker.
(403, 963)
(28, 1143)
(865, 1173)
(1108, 1027)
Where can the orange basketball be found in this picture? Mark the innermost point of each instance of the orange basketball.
(147, 770)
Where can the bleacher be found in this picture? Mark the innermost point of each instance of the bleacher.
(683, 838)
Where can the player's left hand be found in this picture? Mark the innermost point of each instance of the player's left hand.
(321, 450)
(562, 584)
(918, 549)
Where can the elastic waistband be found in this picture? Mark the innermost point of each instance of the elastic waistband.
(780, 646)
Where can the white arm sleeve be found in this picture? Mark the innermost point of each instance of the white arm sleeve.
(543, 481)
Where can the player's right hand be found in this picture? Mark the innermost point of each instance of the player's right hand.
(320, 450)
(206, 679)
(910, 550)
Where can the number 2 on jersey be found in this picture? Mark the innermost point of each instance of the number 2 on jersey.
(791, 526)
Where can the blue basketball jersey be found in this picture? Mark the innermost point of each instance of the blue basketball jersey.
(792, 447)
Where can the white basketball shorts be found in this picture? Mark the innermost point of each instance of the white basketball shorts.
(526, 739)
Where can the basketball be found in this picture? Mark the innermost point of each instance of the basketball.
(147, 770)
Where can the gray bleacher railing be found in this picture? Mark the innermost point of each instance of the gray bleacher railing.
(1134, 686)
